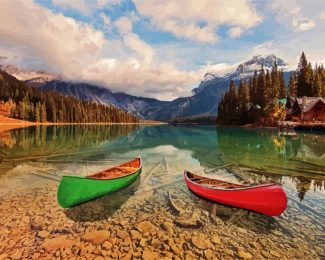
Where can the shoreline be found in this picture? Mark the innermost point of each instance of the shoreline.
(7, 124)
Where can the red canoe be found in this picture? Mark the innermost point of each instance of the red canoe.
(269, 199)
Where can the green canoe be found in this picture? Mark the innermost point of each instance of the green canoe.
(74, 190)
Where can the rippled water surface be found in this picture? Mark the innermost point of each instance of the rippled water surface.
(157, 216)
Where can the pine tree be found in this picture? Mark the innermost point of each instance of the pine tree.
(321, 73)
(253, 89)
(43, 113)
(62, 110)
(282, 84)
(292, 85)
(38, 112)
(317, 84)
(275, 81)
(304, 77)
(243, 99)
(243, 93)
(260, 91)
(233, 105)
(268, 93)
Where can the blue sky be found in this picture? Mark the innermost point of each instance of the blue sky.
(158, 48)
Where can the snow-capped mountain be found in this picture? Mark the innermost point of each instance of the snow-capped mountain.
(34, 77)
(204, 101)
(258, 62)
(244, 70)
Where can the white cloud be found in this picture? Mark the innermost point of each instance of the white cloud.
(124, 25)
(36, 32)
(290, 12)
(133, 42)
(199, 20)
(303, 24)
(107, 23)
(106, 19)
(219, 68)
(322, 15)
(81, 53)
(235, 32)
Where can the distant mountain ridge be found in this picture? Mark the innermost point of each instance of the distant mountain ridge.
(145, 108)
(203, 102)
(33, 77)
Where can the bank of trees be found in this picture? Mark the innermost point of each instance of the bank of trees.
(258, 100)
(37, 105)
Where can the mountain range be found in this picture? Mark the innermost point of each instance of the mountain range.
(203, 102)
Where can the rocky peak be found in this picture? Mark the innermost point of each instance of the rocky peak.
(259, 61)
(35, 77)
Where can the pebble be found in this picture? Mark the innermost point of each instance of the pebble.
(97, 237)
(242, 230)
(176, 250)
(169, 227)
(145, 226)
(274, 253)
(201, 242)
(266, 254)
(107, 245)
(90, 248)
(243, 254)
(215, 239)
(208, 254)
(135, 234)
(149, 255)
(121, 233)
(57, 243)
(43, 234)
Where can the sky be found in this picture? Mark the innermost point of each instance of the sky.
(158, 48)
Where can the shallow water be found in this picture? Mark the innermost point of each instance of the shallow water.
(158, 216)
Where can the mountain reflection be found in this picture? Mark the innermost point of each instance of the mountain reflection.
(271, 156)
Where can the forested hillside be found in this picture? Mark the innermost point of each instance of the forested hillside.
(29, 103)
(259, 99)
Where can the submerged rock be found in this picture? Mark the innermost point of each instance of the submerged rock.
(188, 223)
(201, 242)
(43, 234)
(243, 254)
(145, 226)
(215, 239)
(97, 237)
(57, 243)
(149, 255)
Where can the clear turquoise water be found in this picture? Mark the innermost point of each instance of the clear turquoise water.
(297, 163)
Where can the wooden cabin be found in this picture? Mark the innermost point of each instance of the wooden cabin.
(307, 109)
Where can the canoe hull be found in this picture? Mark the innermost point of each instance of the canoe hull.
(74, 190)
(270, 200)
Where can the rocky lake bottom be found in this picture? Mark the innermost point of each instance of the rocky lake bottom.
(156, 217)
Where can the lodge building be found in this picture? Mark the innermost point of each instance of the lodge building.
(305, 109)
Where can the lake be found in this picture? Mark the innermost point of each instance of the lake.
(157, 216)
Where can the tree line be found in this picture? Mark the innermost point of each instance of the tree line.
(258, 100)
(32, 104)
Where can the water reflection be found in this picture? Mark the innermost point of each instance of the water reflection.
(267, 154)
(47, 137)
